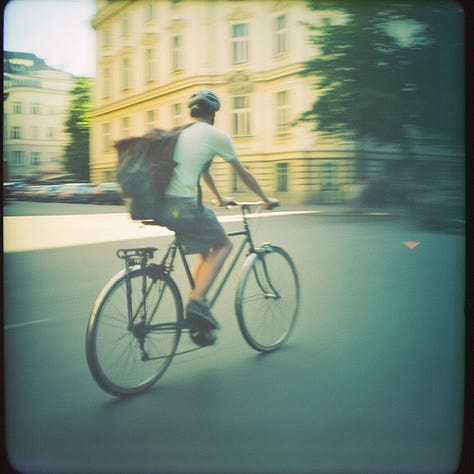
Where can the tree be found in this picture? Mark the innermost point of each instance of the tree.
(76, 160)
(385, 69)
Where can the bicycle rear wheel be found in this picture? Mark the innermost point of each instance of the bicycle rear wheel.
(131, 338)
(267, 298)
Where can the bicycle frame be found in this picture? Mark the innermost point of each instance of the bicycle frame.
(167, 263)
(121, 322)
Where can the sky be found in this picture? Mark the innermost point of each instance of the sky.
(58, 31)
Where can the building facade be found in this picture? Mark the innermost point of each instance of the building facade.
(152, 55)
(36, 99)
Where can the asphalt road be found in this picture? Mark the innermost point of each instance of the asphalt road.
(371, 380)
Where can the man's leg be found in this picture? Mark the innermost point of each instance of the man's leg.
(208, 267)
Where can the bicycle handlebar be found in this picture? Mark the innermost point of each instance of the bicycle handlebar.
(248, 204)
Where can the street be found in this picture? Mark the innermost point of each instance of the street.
(370, 381)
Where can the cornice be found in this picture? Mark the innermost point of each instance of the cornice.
(176, 25)
(162, 91)
(195, 82)
(280, 5)
(110, 10)
(238, 14)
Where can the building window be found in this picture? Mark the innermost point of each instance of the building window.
(177, 115)
(18, 158)
(51, 133)
(149, 64)
(282, 177)
(15, 133)
(239, 43)
(17, 108)
(150, 120)
(240, 116)
(35, 158)
(281, 35)
(282, 115)
(107, 83)
(35, 108)
(328, 176)
(125, 127)
(106, 39)
(177, 53)
(106, 133)
(149, 12)
(125, 26)
(126, 74)
(237, 185)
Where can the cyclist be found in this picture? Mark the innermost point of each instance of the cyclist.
(196, 226)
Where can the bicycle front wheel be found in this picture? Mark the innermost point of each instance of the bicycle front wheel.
(267, 298)
(134, 330)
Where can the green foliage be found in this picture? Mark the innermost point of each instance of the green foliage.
(76, 160)
(385, 68)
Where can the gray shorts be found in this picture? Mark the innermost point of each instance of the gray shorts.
(196, 227)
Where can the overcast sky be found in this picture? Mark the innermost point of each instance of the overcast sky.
(58, 31)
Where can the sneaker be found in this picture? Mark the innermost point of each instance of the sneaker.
(203, 338)
(199, 315)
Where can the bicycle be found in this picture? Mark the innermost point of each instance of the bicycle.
(137, 320)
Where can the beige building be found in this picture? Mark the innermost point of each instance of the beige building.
(36, 99)
(152, 55)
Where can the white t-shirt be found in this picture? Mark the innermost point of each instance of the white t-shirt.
(197, 145)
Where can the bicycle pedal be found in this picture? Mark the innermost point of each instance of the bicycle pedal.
(203, 338)
(197, 322)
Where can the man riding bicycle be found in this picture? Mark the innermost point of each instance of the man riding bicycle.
(195, 225)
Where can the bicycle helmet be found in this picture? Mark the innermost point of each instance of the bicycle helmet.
(207, 97)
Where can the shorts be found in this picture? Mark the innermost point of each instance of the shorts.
(196, 227)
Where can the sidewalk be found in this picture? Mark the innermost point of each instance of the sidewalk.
(338, 210)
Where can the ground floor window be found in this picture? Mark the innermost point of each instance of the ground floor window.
(282, 177)
(328, 176)
(18, 158)
(240, 116)
(35, 158)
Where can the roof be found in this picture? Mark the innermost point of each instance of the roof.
(21, 63)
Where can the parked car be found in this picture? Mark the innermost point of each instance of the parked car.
(48, 192)
(108, 193)
(11, 188)
(76, 193)
(28, 193)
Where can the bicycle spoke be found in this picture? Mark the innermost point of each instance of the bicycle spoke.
(267, 300)
(128, 356)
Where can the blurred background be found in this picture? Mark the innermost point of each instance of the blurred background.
(358, 103)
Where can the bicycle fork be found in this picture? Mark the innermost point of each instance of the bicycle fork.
(264, 281)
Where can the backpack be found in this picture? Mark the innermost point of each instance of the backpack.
(144, 170)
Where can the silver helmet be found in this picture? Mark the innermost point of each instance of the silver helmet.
(207, 97)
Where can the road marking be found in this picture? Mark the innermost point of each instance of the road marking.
(42, 321)
(28, 323)
(410, 244)
(26, 233)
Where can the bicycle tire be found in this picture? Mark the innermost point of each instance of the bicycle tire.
(114, 352)
(267, 298)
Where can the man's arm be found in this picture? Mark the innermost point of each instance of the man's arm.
(249, 180)
(206, 176)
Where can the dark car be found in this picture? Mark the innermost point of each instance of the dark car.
(441, 208)
(12, 188)
(108, 193)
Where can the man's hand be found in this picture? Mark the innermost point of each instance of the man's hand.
(270, 203)
(226, 201)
